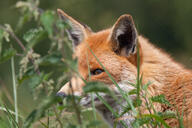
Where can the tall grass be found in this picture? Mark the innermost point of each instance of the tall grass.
(14, 89)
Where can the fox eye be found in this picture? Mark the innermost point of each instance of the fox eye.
(97, 71)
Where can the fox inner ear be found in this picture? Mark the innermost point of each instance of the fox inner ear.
(77, 32)
(124, 36)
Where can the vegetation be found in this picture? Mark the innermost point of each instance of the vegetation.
(45, 72)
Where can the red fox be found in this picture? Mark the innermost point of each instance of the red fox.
(116, 50)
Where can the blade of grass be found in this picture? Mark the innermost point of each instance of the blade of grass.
(14, 89)
(43, 124)
(10, 116)
(12, 112)
(181, 116)
(138, 73)
(93, 106)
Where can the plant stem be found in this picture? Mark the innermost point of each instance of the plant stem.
(14, 89)
(14, 37)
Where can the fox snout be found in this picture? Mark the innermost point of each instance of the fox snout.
(61, 92)
(73, 87)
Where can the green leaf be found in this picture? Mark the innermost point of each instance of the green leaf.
(33, 36)
(132, 92)
(146, 118)
(28, 74)
(160, 99)
(7, 55)
(22, 20)
(140, 122)
(35, 80)
(96, 87)
(145, 87)
(52, 59)
(47, 19)
(167, 114)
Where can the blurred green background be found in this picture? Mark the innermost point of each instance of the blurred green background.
(166, 23)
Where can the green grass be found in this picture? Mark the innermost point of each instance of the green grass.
(14, 89)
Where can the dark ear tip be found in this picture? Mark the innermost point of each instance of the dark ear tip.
(126, 17)
(62, 14)
(59, 11)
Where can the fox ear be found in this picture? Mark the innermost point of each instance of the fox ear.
(124, 36)
(77, 31)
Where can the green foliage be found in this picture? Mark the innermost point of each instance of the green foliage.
(167, 114)
(33, 36)
(6, 55)
(160, 99)
(51, 59)
(47, 19)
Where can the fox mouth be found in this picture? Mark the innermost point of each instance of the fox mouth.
(89, 98)
(87, 101)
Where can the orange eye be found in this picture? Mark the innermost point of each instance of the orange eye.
(97, 71)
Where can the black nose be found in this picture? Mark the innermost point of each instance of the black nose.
(62, 95)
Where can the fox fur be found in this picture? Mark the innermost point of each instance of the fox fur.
(116, 49)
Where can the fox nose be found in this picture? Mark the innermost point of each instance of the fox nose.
(62, 95)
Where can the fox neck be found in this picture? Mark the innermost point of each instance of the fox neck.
(157, 67)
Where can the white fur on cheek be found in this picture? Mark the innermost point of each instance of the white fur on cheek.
(127, 77)
(125, 86)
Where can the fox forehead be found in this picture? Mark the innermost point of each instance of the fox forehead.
(95, 41)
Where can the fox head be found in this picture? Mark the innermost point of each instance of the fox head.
(114, 47)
